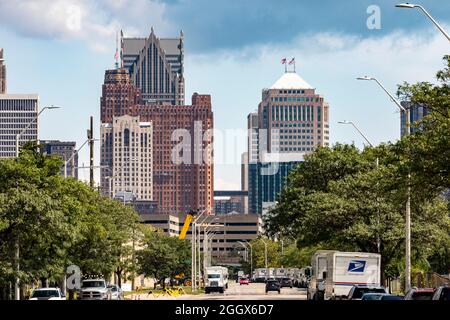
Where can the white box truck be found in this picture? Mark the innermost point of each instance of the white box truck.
(345, 269)
(334, 273)
(216, 279)
(260, 275)
(280, 273)
(316, 286)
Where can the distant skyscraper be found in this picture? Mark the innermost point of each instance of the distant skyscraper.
(119, 95)
(292, 109)
(264, 188)
(176, 187)
(292, 120)
(17, 111)
(2, 74)
(64, 150)
(253, 137)
(156, 67)
(416, 113)
(127, 144)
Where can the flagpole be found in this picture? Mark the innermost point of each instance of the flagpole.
(285, 67)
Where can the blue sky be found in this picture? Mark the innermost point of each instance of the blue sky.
(61, 48)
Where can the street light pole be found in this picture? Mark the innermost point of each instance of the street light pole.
(194, 252)
(251, 257)
(72, 156)
(29, 125)
(265, 256)
(377, 164)
(412, 6)
(408, 199)
(245, 251)
(17, 243)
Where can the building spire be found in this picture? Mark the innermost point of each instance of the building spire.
(2, 73)
(116, 56)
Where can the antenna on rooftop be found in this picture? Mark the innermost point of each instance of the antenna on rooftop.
(116, 56)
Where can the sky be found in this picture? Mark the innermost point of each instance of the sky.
(60, 49)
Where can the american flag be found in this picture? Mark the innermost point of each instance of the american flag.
(292, 61)
(283, 61)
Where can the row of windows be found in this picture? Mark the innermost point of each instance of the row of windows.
(291, 99)
(297, 149)
(298, 131)
(18, 105)
(296, 137)
(290, 143)
(26, 116)
(293, 125)
(293, 113)
(291, 91)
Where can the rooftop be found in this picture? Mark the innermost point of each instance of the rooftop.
(291, 80)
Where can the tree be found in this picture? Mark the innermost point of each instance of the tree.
(312, 175)
(163, 256)
(360, 206)
(56, 222)
(429, 147)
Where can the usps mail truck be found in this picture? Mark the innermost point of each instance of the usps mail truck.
(316, 286)
(345, 269)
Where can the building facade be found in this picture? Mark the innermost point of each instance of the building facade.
(127, 144)
(264, 188)
(17, 111)
(294, 115)
(181, 149)
(292, 120)
(64, 150)
(2, 74)
(228, 230)
(416, 113)
(156, 67)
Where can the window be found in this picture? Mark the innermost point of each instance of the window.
(126, 137)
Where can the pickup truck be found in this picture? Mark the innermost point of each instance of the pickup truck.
(94, 289)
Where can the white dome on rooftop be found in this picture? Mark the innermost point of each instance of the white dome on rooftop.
(291, 80)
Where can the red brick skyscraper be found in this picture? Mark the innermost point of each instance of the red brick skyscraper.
(176, 187)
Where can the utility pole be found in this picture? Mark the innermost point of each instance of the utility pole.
(91, 153)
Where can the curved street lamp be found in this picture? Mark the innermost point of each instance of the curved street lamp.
(416, 6)
(408, 200)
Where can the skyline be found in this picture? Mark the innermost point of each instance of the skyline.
(329, 60)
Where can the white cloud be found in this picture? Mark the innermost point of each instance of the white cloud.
(95, 22)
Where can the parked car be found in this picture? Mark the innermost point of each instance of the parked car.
(380, 296)
(244, 281)
(285, 282)
(47, 294)
(358, 290)
(94, 289)
(442, 293)
(419, 294)
(273, 285)
(116, 292)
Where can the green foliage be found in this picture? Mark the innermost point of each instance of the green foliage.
(163, 257)
(338, 198)
(57, 222)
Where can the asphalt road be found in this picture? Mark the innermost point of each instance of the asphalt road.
(235, 291)
(253, 291)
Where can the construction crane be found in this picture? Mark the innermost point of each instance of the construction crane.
(187, 223)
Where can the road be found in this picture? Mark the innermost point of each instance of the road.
(253, 291)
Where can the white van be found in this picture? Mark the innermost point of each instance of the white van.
(216, 279)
